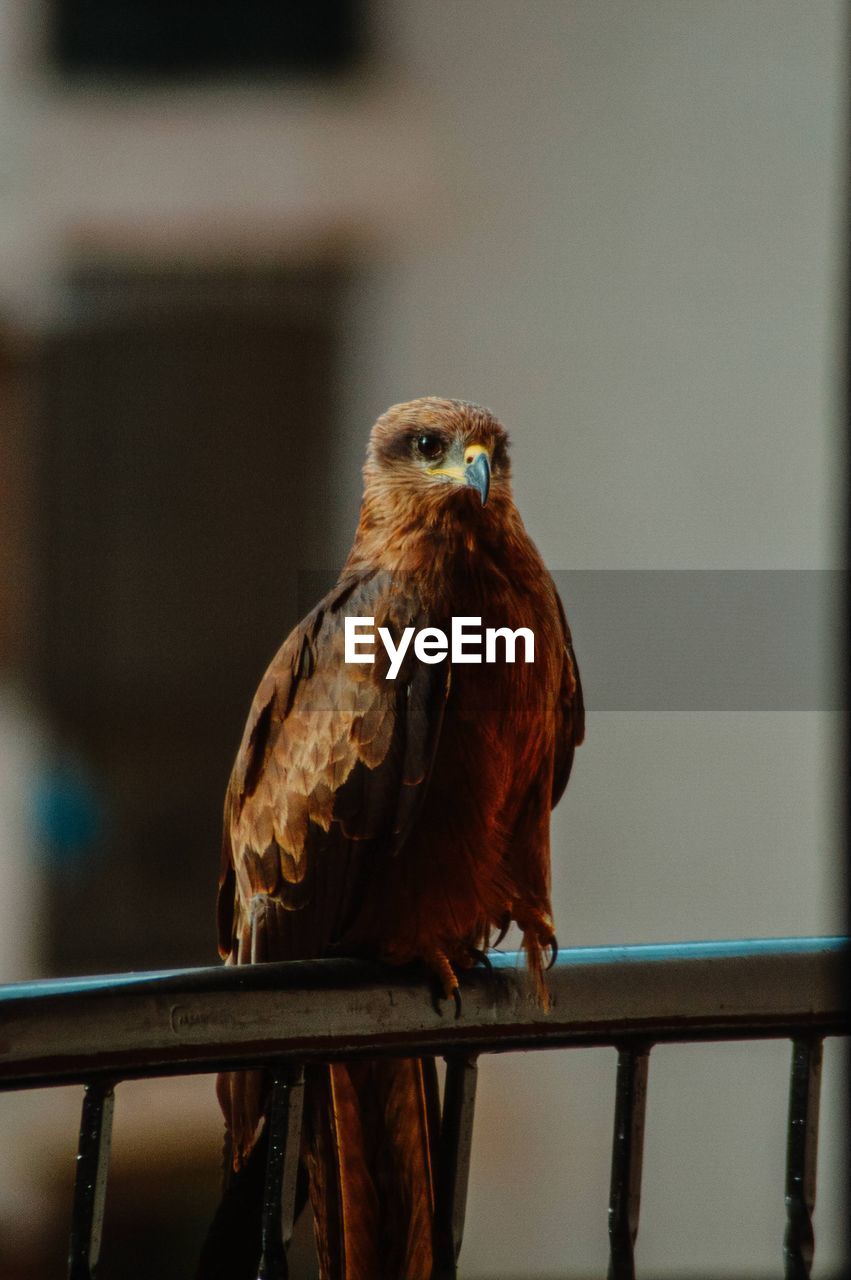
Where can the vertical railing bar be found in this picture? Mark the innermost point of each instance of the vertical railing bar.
(627, 1158)
(801, 1153)
(90, 1181)
(292, 1153)
(453, 1163)
(284, 1121)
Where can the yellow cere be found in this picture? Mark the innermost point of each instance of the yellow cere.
(472, 452)
(457, 473)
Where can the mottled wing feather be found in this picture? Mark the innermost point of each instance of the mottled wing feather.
(334, 758)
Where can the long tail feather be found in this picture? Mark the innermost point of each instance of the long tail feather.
(370, 1161)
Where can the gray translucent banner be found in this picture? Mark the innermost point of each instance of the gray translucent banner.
(696, 640)
(706, 640)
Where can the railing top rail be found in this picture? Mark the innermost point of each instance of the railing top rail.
(186, 1020)
(220, 977)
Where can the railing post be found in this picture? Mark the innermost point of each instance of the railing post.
(453, 1163)
(90, 1181)
(801, 1150)
(627, 1156)
(279, 1191)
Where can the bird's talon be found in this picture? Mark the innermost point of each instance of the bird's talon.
(482, 958)
(503, 929)
(446, 983)
(553, 945)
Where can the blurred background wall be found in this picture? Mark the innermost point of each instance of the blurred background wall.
(619, 225)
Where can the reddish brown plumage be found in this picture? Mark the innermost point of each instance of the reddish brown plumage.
(403, 818)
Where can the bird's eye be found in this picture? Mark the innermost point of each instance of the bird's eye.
(430, 447)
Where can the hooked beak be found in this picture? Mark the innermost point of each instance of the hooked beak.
(477, 473)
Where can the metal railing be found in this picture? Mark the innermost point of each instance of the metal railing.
(99, 1031)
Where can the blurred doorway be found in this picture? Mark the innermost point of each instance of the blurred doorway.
(185, 428)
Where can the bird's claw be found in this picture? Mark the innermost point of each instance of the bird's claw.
(503, 929)
(446, 983)
(439, 995)
(537, 926)
(478, 956)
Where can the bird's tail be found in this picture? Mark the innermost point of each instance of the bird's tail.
(369, 1147)
(370, 1136)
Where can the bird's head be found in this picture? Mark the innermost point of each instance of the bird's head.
(432, 457)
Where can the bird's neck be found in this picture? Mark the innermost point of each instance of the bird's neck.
(442, 542)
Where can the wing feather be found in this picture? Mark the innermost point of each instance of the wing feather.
(570, 712)
(332, 768)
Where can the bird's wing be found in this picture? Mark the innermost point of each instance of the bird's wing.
(333, 764)
(570, 712)
(332, 768)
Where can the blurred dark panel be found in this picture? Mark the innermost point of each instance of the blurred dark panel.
(15, 500)
(159, 38)
(185, 434)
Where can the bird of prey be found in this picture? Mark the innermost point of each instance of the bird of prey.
(406, 818)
